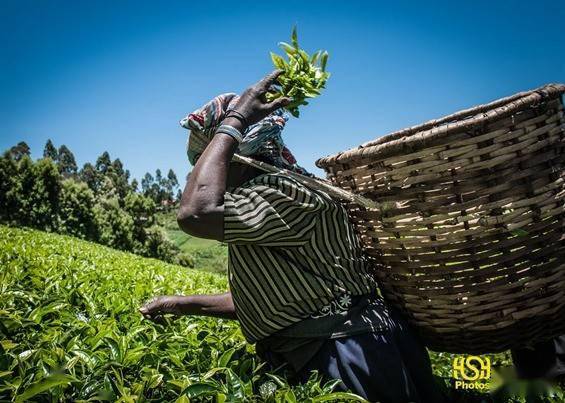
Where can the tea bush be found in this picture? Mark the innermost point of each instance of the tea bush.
(70, 330)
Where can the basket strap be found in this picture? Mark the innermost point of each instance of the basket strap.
(311, 182)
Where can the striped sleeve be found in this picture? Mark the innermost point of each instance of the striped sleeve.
(271, 211)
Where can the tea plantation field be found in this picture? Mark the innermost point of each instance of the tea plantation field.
(70, 331)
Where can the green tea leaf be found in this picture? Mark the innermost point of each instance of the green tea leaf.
(199, 389)
(287, 48)
(278, 61)
(225, 358)
(44, 385)
(339, 397)
(290, 397)
(183, 399)
(324, 60)
(294, 37)
(315, 57)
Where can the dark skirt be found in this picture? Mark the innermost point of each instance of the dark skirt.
(385, 366)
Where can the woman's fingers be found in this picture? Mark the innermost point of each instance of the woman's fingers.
(270, 79)
(278, 103)
(155, 316)
(273, 88)
(158, 305)
(151, 307)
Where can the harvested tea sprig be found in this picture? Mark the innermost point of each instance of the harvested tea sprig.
(304, 75)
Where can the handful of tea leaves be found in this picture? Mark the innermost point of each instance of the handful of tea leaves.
(304, 75)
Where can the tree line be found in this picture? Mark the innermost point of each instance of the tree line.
(98, 202)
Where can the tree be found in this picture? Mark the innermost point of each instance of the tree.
(45, 195)
(158, 245)
(134, 185)
(103, 162)
(173, 181)
(151, 187)
(115, 226)
(142, 211)
(19, 151)
(107, 188)
(146, 183)
(171, 184)
(9, 188)
(50, 151)
(90, 176)
(76, 210)
(36, 194)
(67, 163)
(120, 177)
(30, 191)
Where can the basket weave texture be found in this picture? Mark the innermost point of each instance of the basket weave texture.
(468, 239)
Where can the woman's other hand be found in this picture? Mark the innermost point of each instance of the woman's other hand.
(162, 305)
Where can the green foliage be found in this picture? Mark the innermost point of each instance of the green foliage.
(43, 197)
(158, 245)
(103, 162)
(8, 187)
(66, 162)
(142, 210)
(30, 192)
(76, 210)
(70, 331)
(185, 259)
(115, 226)
(97, 204)
(172, 180)
(304, 75)
(50, 151)
(19, 151)
(161, 189)
(89, 175)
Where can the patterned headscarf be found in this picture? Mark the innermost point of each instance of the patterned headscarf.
(262, 140)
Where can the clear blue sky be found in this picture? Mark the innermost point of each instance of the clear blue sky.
(118, 75)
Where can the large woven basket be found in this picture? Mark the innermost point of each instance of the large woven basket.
(468, 239)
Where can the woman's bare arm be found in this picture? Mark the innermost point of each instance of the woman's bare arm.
(201, 211)
(215, 305)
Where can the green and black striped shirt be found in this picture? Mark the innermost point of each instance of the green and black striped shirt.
(292, 251)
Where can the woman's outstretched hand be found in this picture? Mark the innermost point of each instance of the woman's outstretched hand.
(252, 104)
(215, 305)
(155, 309)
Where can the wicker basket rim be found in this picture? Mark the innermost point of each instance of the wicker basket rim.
(419, 136)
